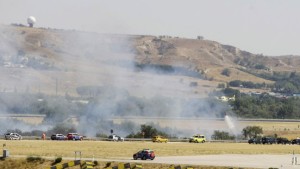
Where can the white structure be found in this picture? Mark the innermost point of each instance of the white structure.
(31, 21)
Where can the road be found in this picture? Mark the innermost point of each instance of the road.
(234, 160)
(261, 161)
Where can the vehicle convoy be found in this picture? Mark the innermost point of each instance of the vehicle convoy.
(268, 140)
(256, 140)
(197, 139)
(282, 140)
(144, 155)
(160, 139)
(59, 137)
(12, 136)
(74, 136)
(114, 137)
(296, 141)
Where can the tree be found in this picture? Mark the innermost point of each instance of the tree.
(222, 135)
(200, 37)
(235, 83)
(252, 131)
(221, 85)
(230, 92)
(226, 72)
(148, 131)
(260, 66)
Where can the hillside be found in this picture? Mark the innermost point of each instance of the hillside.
(57, 61)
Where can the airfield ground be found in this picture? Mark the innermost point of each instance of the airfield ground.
(207, 154)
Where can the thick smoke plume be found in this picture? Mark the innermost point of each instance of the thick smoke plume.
(101, 83)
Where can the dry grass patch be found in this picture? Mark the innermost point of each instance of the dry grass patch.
(290, 130)
(24, 164)
(125, 150)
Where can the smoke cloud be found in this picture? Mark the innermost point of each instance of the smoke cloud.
(95, 78)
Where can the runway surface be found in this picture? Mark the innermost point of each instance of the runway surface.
(263, 161)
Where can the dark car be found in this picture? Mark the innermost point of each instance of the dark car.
(282, 140)
(13, 136)
(144, 154)
(59, 137)
(268, 140)
(296, 141)
(252, 140)
(255, 140)
(74, 136)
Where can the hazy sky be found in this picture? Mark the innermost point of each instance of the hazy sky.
(269, 27)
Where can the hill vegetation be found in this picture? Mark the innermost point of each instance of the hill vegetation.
(64, 73)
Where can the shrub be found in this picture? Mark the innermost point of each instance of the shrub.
(57, 160)
(96, 163)
(222, 135)
(32, 159)
(226, 72)
(221, 85)
(108, 164)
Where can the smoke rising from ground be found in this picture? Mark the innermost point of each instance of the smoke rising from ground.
(130, 93)
(89, 67)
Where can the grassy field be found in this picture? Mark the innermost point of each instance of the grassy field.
(102, 150)
(291, 130)
(124, 150)
(284, 128)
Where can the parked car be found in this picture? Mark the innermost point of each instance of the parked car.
(296, 141)
(256, 140)
(282, 140)
(144, 154)
(114, 137)
(59, 137)
(13, 136)
(252, 140)
(160, 139)
(268, 140)
(197, 139)
(74, 136)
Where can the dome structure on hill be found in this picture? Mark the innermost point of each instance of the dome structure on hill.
(31, 21)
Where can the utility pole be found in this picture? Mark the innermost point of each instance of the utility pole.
(56, 87)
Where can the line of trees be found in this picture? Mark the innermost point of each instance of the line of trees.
(266, 106)
(57, 109)
(248, 84)
(146, 131)
(285, 82)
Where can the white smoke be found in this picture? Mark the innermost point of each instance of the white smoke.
(108, 63)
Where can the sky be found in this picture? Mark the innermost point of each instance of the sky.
(268, 27)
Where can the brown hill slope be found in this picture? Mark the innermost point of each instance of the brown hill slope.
(59, 61)
(210, 58)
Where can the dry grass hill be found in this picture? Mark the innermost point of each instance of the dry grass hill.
(58, 61)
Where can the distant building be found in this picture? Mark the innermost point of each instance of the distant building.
(226, 99)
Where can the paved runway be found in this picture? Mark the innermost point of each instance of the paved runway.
(263, 161)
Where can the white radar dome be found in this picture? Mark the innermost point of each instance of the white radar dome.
(31, 21)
